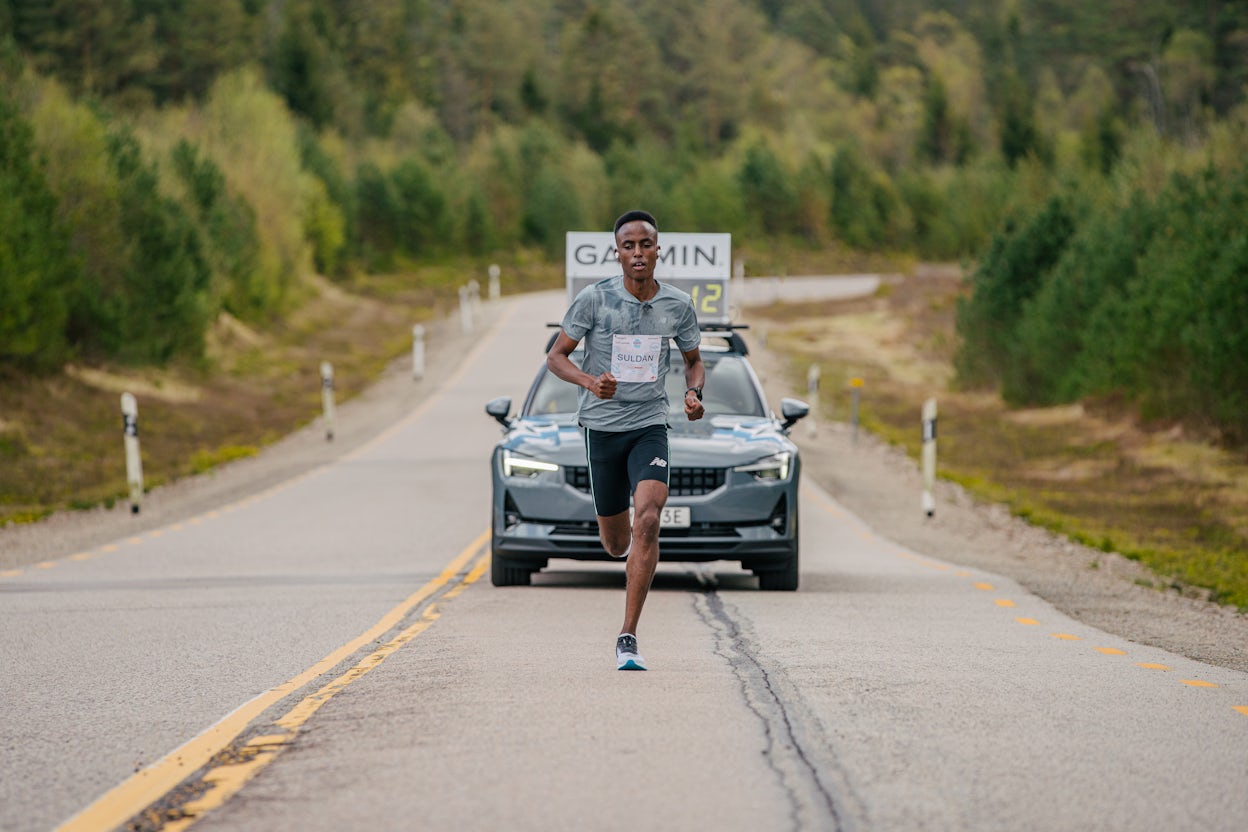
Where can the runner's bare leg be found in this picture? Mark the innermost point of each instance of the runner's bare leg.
(648, 500)
(614, 532)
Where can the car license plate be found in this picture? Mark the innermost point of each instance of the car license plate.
(674, 517)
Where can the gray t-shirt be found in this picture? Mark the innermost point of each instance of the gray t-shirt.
(630, 339)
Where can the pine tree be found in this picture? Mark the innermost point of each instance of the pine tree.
(37, 268)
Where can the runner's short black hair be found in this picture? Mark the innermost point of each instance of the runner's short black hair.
(634, 216)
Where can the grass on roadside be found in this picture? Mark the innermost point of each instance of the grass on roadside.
(61, 436)
(1177, 505)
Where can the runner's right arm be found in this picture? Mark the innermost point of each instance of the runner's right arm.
(558, 361)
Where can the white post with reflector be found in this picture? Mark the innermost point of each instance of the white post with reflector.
(327, 398)
(465, 310)
(418, 352)
(812, 392)
(496, 290)
(855, 385)
(929, 456)
(134, 461)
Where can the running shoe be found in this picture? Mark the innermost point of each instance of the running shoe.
(626, 655)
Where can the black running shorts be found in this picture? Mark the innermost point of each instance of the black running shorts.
(620, 460)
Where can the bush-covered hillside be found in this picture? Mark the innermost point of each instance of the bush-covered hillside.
(164, 162)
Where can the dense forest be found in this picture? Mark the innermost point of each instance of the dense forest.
(163, 162)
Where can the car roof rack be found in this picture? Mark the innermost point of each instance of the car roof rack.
(728, 331)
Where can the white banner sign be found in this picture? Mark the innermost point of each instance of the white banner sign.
(592, 254)
(700, 264)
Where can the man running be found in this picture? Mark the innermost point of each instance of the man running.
(622, 405)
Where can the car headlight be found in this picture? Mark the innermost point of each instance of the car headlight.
(774, 467)
(515, 465)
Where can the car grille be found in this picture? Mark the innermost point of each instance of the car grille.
(682, 482)
(590, 529)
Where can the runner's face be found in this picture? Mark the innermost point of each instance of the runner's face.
(637, 247)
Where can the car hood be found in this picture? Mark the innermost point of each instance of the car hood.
(717, 442)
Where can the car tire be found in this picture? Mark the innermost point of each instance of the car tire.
(779, 579)
(782, 577)
(505, 571)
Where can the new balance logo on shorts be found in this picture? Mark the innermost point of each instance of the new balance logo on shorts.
(659, 461)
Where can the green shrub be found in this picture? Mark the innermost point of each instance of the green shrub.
(378, 216)
(228, 224)
(768, 190)
(1057, 341)
(422, 221)
(37, 266)
(164, 309)
(1010, 274)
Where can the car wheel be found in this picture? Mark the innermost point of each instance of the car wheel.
(507, 572)
(783, 578)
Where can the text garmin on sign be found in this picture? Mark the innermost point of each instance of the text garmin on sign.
(588, 254)
(698, 263)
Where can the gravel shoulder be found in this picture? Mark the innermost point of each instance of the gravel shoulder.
(876, 481)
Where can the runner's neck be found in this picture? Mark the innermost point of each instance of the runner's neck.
(643, 290)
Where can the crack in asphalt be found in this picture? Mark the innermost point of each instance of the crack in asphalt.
(818, 790)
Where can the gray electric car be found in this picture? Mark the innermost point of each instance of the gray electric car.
(733, 482)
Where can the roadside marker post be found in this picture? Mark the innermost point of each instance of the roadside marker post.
(855, 385)
(418, 352)
(134, 462)
(812, 390)
(327, 398)
(495, 287)
(465, 310)
(929, 456)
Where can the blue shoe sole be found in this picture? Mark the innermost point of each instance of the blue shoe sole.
(631, 665)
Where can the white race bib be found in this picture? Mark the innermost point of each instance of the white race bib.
(635, 358)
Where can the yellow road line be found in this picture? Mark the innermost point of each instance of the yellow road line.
(147, 786)
(870, 536)
(228, 779)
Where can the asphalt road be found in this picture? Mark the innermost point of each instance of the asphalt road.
(328, 654)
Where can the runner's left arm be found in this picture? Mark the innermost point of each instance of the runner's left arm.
(695, 376)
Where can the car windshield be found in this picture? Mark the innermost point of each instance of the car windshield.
(729, 390)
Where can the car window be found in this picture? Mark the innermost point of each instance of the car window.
(553, 396)
(728, 391)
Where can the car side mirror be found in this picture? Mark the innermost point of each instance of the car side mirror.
(793, 411)
(499, 408)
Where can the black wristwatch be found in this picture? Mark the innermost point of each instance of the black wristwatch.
(697, 391)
